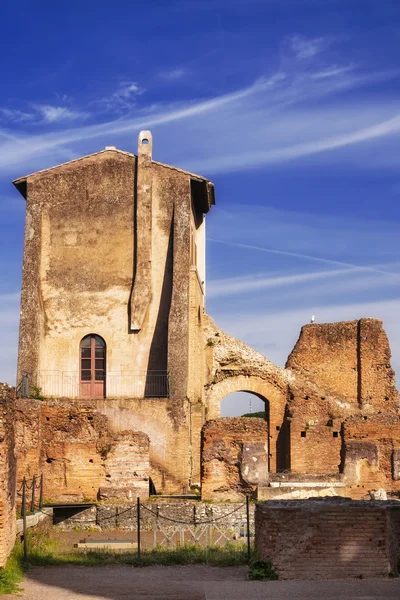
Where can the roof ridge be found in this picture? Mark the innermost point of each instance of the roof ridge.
(20, 180)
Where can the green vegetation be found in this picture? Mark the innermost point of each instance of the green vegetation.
(11, 575)
(185, 555)
(44, 551)
(36, 393)
(262, 569)
(257, 415)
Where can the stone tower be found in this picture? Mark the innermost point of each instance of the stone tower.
(113, 291)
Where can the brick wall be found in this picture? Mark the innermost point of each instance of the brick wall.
(234, 455)
(72, 446)
(7, 472)
(328, 539)
(350, 359)
(315, 446)
(371, 454)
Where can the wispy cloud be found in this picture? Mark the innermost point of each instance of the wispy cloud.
(13, 115)
(252, 283)
(277, 119)
(333, 71)
(55, 114)
(127, 89)
(122, 100)
(173, 74)
(41, 114)
(274, 332)
(304, 47)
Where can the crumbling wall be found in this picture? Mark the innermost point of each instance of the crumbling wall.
(127, 467)
(328, 539)
(371, 454)
(314, 419)
(72, 446)
(350, 359)
(234, 458)
(7, 472)
(232, 366)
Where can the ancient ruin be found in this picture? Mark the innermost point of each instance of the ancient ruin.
(121, 373)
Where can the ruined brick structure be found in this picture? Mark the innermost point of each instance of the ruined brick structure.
(329, 538)
(234, 458)
(7, 473)
(113, 328)
(78, 454)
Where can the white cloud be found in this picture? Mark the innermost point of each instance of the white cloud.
(13, 115)
(304, 47)
(277, 119)
(333, 71)
(173, 74)
(54, 114)
(354, 279)
(128, 89)
(275, 332)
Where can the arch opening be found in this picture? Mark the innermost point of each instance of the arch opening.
(242, 404)
(262, 392)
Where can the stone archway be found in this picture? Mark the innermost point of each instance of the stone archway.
(272, 394)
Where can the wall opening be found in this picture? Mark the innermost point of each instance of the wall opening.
(239, 404)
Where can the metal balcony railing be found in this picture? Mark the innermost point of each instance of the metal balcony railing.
(66, 384)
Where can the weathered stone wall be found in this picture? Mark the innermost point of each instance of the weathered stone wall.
(350, 359)
(84, 225)
(234, 455)
(232, 366)
(73, 448)
(328, 539)
(371, 454)
(229, 516)
(170, 441)
(7, 472)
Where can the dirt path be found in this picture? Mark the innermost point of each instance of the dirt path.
(195, 582)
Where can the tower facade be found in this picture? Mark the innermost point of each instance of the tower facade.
(114, 267)
(113, 293)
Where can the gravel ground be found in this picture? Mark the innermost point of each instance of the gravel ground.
(195, 582)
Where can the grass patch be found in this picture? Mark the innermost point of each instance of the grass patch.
(43, 550)
(11, 575)
(185, 555)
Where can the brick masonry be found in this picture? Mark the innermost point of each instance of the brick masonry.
(7, 473)
(234, 455)
(73, 447)
(329, 539)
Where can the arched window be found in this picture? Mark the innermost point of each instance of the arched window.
(93, 367)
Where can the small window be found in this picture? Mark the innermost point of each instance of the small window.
(303, 434)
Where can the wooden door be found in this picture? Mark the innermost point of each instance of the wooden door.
(93, 367)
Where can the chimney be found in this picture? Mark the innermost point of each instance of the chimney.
(142, 288)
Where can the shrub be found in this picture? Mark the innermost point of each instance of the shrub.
(262, 569)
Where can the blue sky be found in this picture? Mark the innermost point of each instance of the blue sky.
(290, 106)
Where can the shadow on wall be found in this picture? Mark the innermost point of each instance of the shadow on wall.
(158, 356)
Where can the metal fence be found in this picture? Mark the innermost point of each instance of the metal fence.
(67, 384)
(169, 532)
(31, 494)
